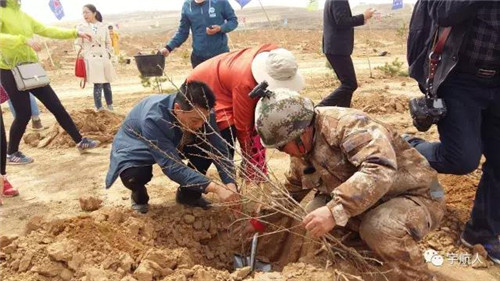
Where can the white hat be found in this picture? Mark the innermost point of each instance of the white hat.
(279, 68)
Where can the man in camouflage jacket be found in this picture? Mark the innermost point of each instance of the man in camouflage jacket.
(362, 171)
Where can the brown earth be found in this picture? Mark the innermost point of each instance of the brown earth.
(46, 236)
(101, 126)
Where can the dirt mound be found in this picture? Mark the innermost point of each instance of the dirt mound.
(113, 244)
(101, 126)
(169, 243)
(381, 103)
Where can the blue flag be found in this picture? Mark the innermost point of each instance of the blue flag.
(397, 4)
(243, 2)
(57, 8)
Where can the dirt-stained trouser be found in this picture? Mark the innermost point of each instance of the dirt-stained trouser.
(392, 230)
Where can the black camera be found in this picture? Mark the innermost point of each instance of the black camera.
(426, 111)
(260, 91)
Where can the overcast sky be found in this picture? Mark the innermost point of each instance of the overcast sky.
(72, 8)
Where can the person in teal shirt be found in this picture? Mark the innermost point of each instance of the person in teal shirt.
(209, 21)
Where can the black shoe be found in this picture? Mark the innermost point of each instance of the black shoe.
(491, 245)
(141, 208)
(198, 202)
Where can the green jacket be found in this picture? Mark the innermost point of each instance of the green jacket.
(16, 28)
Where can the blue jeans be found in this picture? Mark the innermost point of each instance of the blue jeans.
(471, 129)
(108, 95)
(35, 111)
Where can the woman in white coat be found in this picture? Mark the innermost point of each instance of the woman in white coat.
(97, 54)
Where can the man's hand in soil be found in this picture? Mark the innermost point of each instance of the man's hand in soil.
(213, 30)
(228, 194)
(319, 222)
(233, 197)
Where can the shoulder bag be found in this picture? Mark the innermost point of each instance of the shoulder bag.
(30, 76)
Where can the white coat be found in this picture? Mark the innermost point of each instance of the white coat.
(96, 53)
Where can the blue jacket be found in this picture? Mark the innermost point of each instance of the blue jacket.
(153, 119)
(197, 17)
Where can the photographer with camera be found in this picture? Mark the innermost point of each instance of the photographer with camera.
(462, 87)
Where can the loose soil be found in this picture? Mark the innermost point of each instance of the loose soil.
(101, 126)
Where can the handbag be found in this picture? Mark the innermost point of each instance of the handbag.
(30, 76)
(80, 69)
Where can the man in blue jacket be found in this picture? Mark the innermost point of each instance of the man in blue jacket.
(164, 130)
(209, 21)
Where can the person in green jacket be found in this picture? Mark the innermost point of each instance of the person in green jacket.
(17, 47)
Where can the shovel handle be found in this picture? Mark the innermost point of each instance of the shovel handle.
(253, 252)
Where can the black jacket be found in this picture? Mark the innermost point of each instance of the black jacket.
(338, 27)
(428, 17)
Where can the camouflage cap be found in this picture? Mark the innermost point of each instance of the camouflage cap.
(282, 117)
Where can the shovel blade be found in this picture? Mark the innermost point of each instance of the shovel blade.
(262, 266)
(240, 262)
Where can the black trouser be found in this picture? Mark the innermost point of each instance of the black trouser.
(344, 68)
(196, 60)
(470, 129)
(136, 178)
(3, 146)
(21, 103)
(203, 163)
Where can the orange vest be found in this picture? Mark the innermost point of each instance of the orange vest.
(229, 75)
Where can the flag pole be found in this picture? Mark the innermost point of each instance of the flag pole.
(265, 12)
(48, 53)
(367, 52)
